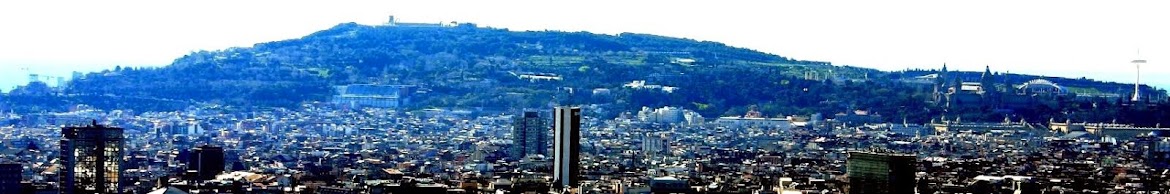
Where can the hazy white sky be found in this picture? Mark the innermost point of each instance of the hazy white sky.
(1094, 39)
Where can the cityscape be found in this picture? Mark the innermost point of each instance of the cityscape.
(404, 107)
(319, 148)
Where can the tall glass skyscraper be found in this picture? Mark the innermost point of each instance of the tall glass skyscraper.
(874, 172)
(567, 146)
(91, 157)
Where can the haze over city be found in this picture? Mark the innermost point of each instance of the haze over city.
(1052, 38)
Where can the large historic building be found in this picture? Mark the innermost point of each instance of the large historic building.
(953, 90)
(1114, 130)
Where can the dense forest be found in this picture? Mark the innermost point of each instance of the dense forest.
(467, 66)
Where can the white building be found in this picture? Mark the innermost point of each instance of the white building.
(656, 143)
(368, 95)
(194, 127)
(693, 118)
(779, 123)
(641, 84)
(669, 114)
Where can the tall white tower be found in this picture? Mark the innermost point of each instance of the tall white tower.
(1137, 64)
(567, 148)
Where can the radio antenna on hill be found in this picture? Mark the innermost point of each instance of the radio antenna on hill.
(1137, 64)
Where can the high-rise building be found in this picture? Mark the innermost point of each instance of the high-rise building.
(567, 158)
(529, 135)
(194, 127)
(10, 176)
(207, 161)
(871, 172)
(655, 143)
(91, 157)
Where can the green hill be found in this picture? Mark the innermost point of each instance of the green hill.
(472, 67)
(463, 66)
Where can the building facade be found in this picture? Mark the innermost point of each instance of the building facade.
(654, 144)
(567, 158)
(207, 161)
(377, 96)
(10, 176)
(1156, 151)
(529, 135)
(91, 159)
(770, 123)
(871, 172)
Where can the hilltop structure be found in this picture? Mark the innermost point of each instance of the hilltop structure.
(371, 95)
(951, 90)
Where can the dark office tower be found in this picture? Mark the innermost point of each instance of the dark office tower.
(207, 161)
(91, 157)
(567, 158)
(529, 136)
(871, 172)
(10, 177)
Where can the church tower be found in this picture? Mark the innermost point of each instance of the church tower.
(940, 84)
(987, 81)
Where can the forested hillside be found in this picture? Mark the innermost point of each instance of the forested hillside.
(471, 67)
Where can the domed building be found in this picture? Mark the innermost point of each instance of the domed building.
(1042, 87)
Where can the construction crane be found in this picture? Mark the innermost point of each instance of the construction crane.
(32, 77)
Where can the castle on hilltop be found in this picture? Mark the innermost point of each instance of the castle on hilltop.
(394, 22)
(954, 90)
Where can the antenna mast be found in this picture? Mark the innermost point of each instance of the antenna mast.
(1137, 64)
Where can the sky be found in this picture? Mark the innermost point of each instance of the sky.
(1093, 39)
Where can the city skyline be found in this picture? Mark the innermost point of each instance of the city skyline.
(598, 97)
(1068, 42)
(314, 149)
